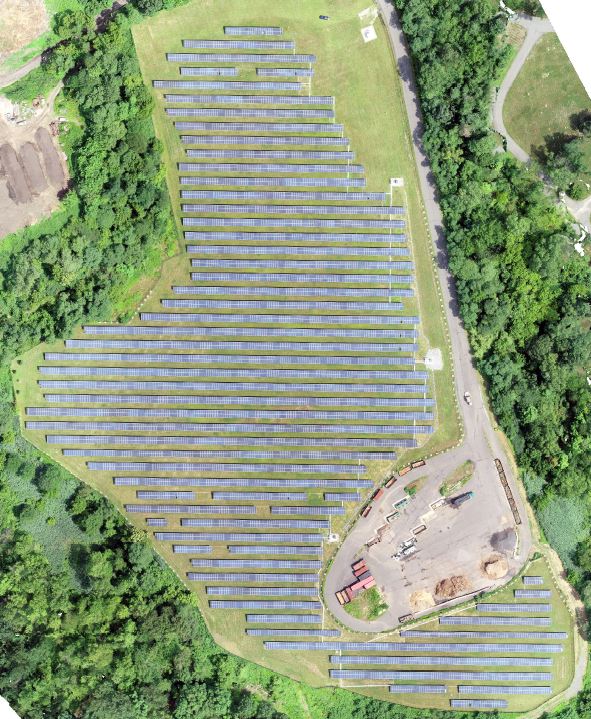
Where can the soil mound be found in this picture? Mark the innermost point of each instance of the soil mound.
(451, 587)
(495, 567)
(421, 600)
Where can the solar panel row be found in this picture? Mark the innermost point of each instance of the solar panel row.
(260, 577)
(263, 591)
(308, 509)
(300, 264)
(258, 523)
(276, 154)
(220, 71)
(256, 632)
(532, 593)
(446, 676)
(340, 238)
(279, 549)
(294, 167)
(375, 250)
(235, 57)
(334, 196)
(238, 112)
(236, 537)
(441, 661)
(437, 647)
(284, 72)
(496, 689)
(190, 549)
(252, 30)
(274, 318)
(192, 508)
(509, 621)
(263, 139)
(230, 454)
(315, 483)
(356, 469)
(203, 345)
(284, 619)
(241, 45)
(235, 99)
(259, 563)
(342, 496)
(482, 635)
(478, 703)
(300, 209)
(325, 304)
(268, 181)
(284, 278)
(271, 604)
(147, 494)
(261, 496)
(532, 579)
(293, 127)
(158, 522)
(230, 85)
(417, 688)
(489, 607)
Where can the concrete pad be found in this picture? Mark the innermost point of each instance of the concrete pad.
(434, 359)
(368, 33)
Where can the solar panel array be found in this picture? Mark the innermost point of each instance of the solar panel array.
(532, 579)
(478, 703)
(533, 593)
(346, 367)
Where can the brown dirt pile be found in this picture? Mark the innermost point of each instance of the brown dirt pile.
(451, 587)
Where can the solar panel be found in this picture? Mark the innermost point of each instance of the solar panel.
(272, 318)
(261, 496)
(284, 305)
(143, 494)
(328, 127)
(236, 537)
(266, 181)
(532, 593)
(417, 689)
(532, 579)
(257, 523)
(342, 496)
(471, 648)
(214, 99)
(496, 689)
(373, 279)
(241, 482)
(300, 209)
(263, 139)
(269, 604)
(256, 632)
(259, 563)
(221, 71)
(509, 621)
(191, 508)
(263, 591)
(279, 549)
(230, 454)
(295, 222)
(376, 251)
(229, 359)
(236, 332)
(248, 577)
(293, 167)
(231, 386)
(487, 607)
(441, 661)
(225, 467)
(283, 195)
(290, 509)
(252, 30)
(445, 676)
(301, 264)
(240, 45)
(284, 72)
(156, 522)
(222, 441)
(229, 85)
(483, 635)
(478, 703)
(190, 549)
(234, 57)
(284, 618)
(272, 113)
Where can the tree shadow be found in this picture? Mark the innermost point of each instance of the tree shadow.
(78, 558)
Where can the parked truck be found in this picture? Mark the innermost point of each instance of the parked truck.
(460, 499)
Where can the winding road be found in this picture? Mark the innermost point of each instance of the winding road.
(481, 442)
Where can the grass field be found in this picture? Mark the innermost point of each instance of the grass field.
(545, 96)
(369, 103)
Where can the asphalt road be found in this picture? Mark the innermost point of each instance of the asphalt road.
(481, 442)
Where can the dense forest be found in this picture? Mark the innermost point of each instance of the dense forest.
(524, 294)
(92, 624)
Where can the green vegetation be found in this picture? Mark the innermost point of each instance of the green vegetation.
(457, 479)
(548, 113)
(368, 605)
(413, 487)
(530, 7)
(523, 293)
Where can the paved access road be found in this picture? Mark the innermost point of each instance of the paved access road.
(481, 441)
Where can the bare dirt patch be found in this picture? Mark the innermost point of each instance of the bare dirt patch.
(32, 166)
(495, 567)
(451, 587)
(421, 600)
(21, 22)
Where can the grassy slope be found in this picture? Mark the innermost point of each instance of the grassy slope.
(544, 96)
